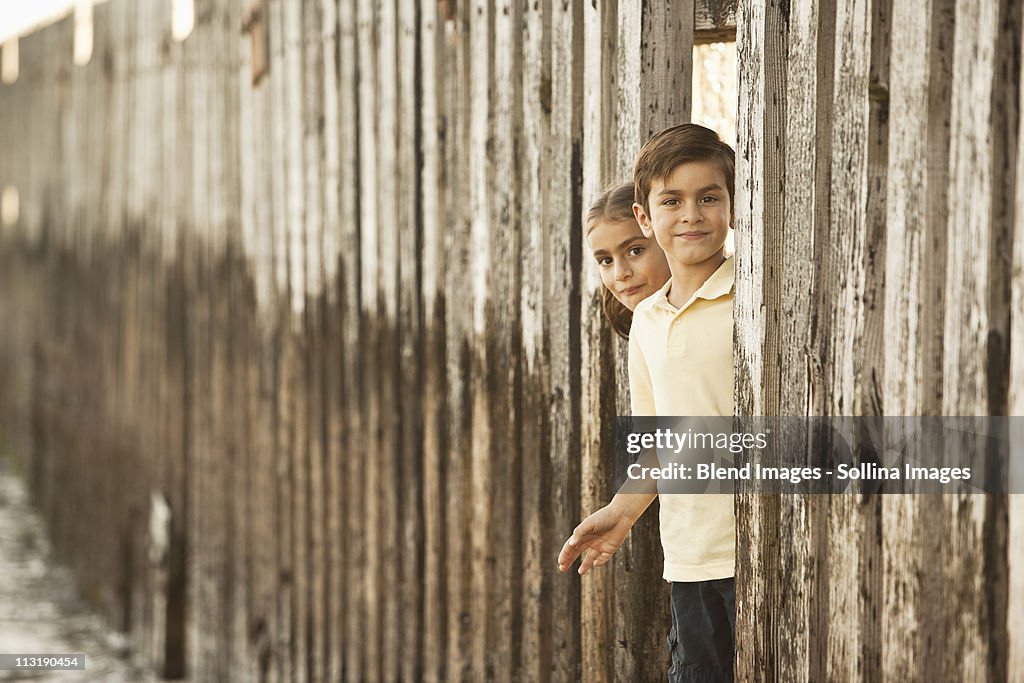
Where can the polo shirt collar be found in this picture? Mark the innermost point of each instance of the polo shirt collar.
(718, 285)
(721, 281)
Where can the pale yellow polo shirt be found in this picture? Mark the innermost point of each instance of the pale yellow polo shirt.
(680, 363)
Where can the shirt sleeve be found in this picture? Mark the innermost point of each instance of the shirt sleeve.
(641, 392)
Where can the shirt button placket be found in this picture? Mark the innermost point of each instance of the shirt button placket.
(676, 337)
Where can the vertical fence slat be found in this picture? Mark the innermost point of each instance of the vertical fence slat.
(313, 129)
(915, 255)
(433, 127)
(410, 407)
(846, 313)
(352, 455)
(482, 441)
(458, 327)
(977, 308)
(1015, 406)
(281, 581)
(759, 201)
(389, 480)
(537, 621)
(370, 267)
(666, 64)
(297, 342)
(562, 208)
(248, 610)
(597, 352)
(331, 377)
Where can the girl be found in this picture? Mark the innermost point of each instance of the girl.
(632, 266)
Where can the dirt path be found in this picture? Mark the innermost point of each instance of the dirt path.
(39, 610)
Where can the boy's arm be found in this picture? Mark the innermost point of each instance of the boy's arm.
(604, 531)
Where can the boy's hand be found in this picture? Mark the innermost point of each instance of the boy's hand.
(600, 535)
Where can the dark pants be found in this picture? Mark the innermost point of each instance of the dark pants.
(703, 631)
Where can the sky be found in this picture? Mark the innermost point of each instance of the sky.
(21, 16)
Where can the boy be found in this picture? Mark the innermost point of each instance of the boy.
(680, 363)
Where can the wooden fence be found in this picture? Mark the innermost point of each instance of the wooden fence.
(880, 240)
(309, 377)
(318, 379)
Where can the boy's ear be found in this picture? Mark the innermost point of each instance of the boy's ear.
(642, 220)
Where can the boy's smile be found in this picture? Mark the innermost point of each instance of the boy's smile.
(689, 213)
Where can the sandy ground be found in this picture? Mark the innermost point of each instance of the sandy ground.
(39, 609)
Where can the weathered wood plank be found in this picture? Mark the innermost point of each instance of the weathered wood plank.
(977, 321)
(248, 608)
(458, 328)
(537, 621)
(371, 299)
(313, 130)
(352, 455)
(280, 628)
(388, 465)
(850, 337)
(410, 406)
(149, 585)
(627, 104)
(1015, 407)
(331, 356)
(915, 262)
(597, 353)
(504, 373)
(759, 204)
(714, 20)
(434, 302)
(562, 209)
(232, 461)
(871, 353)
(296, 371)
(666, 65)
(202, 642)
(482, 441)
(210, 283)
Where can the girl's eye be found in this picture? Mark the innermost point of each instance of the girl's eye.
(635, 251)
(604, 261)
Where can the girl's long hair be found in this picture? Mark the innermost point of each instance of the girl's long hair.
(614, 205)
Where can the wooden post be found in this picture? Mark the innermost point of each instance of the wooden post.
(841, 587)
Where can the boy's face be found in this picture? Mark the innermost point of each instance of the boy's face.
(689, 214)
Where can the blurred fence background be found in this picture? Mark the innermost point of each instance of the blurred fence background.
(304, 362)
(300, 353)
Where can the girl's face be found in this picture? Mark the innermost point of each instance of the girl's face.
(632, 266)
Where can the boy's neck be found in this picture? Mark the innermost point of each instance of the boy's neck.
(688, 278)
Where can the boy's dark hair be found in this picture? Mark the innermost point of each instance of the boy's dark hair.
(677, 145)
(613, 205)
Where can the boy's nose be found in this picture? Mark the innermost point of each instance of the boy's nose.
(690, 213)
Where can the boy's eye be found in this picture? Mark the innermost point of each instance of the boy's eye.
(670, 202)
(635, 251)
(709, 199)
